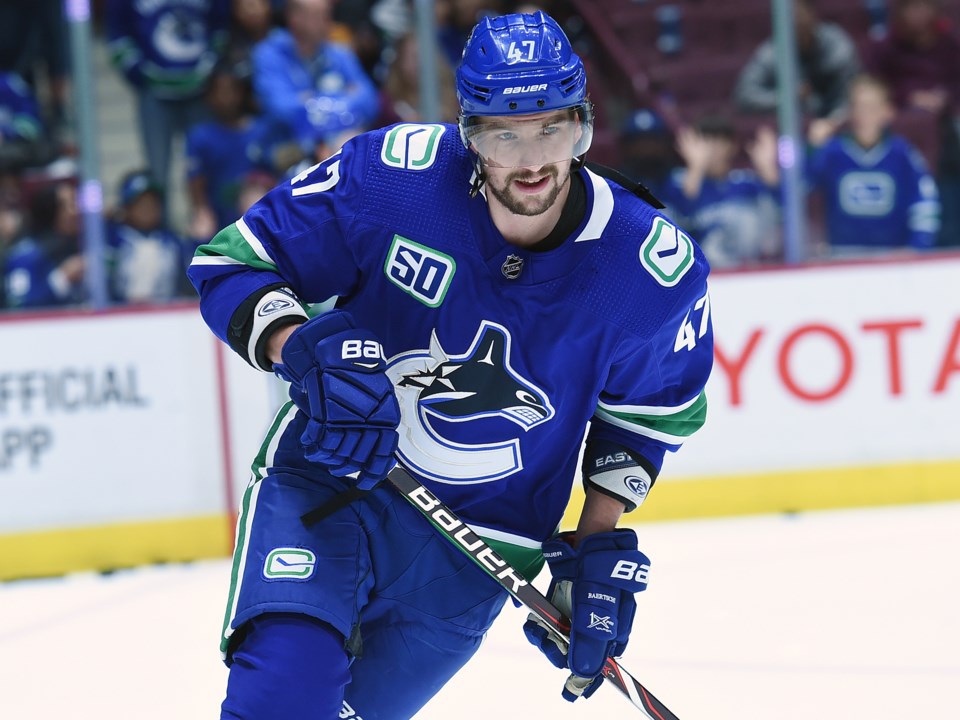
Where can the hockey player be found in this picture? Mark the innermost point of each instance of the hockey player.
(494, 298)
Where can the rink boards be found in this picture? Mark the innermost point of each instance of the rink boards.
(126, 437)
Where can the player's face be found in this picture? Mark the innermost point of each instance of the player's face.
(529, 190)
(515, 141)
(527, 159)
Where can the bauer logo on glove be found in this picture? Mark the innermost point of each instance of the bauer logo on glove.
(594, 586)
(337, 379)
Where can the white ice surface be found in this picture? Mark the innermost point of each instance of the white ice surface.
(838, 615)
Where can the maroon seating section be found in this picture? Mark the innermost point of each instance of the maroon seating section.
(719, 36)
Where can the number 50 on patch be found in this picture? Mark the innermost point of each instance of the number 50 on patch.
(419, 271)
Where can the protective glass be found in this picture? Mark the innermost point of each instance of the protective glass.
(508, 141)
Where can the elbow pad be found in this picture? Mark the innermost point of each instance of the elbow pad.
(618, 472)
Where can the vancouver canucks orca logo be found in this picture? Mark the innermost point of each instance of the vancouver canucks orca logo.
(439, 391)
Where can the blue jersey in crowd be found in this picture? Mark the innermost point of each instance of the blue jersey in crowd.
(167, 46)
(879, 198)
(501, 356)
(224, 155)
(316, 99)
(19, 112)
(145, 267)
(733, 218)
(32, 277)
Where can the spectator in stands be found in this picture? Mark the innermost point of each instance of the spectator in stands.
(455, 20)
(920, 61)
(45, 267)
(400, 98)
(11, 221)
(166, 49)
(252, 21)
(222, 151)
(311, 86)
(23, 142)
(362, 34)
(648, 152)
(147, 262)
(827, 63)
(920, 57)
(877, 190)
(33, 41)
(731, 212)
(11, 211)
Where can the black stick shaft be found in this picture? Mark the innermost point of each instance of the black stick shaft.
(468, 542)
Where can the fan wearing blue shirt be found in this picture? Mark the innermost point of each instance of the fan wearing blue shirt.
(166, 50)
(45, 267)
(731, 211)
(315, 88)
(146, 260)
(222, 151)
(878, 193)
(23, 139)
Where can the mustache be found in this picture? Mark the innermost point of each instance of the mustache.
(529, 176)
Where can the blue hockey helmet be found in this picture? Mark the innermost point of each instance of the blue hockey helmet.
(521, 64)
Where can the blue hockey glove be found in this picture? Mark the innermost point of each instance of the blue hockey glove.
(594, 586)
(336, 375)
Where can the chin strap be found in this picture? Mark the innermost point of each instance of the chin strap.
(479, 177)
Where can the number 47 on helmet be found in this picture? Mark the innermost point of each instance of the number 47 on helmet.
(523, 94)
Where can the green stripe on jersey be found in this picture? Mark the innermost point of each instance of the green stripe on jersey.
(670, 427)
(527, 561)
(124, 53)
(230, 243)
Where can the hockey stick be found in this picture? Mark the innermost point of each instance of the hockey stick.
(467, 541)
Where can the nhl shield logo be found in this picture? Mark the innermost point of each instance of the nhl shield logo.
(512, 267)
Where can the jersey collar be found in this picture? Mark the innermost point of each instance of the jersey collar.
(541, 267)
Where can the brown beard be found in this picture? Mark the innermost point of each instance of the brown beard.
(517, 205)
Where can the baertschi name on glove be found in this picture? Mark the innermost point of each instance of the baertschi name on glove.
(594, 585)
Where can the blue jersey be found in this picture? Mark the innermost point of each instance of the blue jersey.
(223, 156)
(879, 198)
(167, 46)
(31, 277)
(317, 99)
(144, 266)
(501, 356)
(733, 219)
(19, 112)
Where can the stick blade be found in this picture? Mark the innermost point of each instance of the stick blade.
(636, 693)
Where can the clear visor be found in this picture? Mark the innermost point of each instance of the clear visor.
(529, 141)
